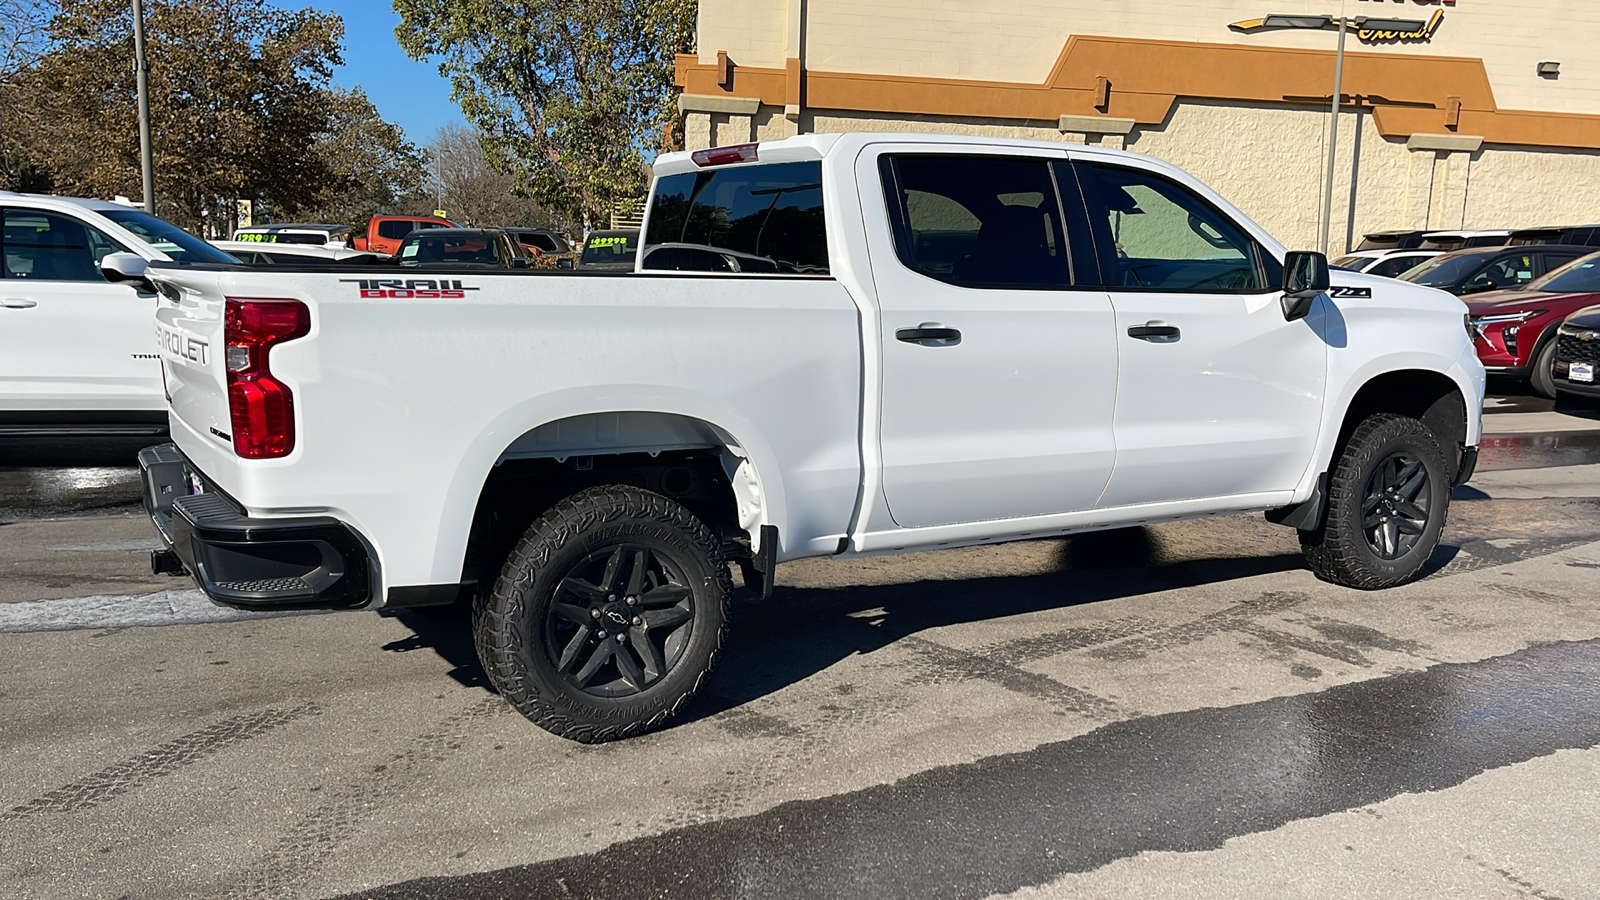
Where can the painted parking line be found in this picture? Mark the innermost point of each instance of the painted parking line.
(188, 607)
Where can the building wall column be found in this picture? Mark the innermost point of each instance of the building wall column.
(1438, 177)
(716, 121)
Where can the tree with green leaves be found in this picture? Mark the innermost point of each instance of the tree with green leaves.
(242, 106)
(571, 97)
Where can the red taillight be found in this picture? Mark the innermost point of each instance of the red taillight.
(262, 407)
(722, 156)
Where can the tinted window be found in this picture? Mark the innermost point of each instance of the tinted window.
(166, 237)
(425, 249)
(49, 247)
(1444, 271)
(1152, 233)
(395, 229)
(610, 248)
(1395, 266)
(1581, 276)
(977, 221)
(770, 213)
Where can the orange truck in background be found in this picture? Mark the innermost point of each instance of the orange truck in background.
(384, 233)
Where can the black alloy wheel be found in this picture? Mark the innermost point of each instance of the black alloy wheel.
(619, 621)
(607, 616)
(1388, 496)
(1394, 513)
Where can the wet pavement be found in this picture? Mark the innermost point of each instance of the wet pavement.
(1180, 782)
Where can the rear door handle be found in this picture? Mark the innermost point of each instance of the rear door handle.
(929, 334)
(18, 303)
(1155, 332)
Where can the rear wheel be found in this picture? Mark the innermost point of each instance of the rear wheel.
(607, 616)
(1542, 373)
(1387, 501)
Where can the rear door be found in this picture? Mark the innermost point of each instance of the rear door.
(72, 341)
(999, 373)
(1217, 394)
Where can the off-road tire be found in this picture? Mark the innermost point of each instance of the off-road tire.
(1342, 550)
(511, 622)
(1541, 374)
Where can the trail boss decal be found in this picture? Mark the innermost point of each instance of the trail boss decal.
(410, 288)
(1351, 292)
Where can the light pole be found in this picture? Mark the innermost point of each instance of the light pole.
(141, 73)
(1342, 24)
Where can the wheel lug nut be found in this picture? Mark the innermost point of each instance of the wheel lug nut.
(611, 598)
(619, 638)
(633, 601)
(602, 635)
(637, 620)
(594, 613)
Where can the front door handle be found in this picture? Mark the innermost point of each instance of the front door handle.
(929, 334)
(1155, 332)
(18, 303)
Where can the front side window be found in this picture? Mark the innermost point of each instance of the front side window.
(1507, 271)
(761, 218)
(977, 221)
(42, 246)
(1154, 234)
(1395, 266)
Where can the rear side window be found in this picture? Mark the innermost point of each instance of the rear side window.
(978, 221)
(1155, 234)
(41, 246)
(395, 229)
(761, 218)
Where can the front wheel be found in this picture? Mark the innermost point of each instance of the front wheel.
(1387, 500)
(1542, 375)
(607, 616)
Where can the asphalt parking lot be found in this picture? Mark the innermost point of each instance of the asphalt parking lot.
(1175, 711)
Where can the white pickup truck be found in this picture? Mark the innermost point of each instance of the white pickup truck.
(833, 345)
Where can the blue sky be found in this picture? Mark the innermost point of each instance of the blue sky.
(410, 94)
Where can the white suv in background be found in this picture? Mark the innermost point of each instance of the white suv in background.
(1388, 263)
(77, 352)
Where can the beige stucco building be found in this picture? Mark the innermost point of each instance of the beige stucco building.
(1454, 126)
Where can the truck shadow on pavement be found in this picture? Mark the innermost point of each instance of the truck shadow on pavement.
(804, 628)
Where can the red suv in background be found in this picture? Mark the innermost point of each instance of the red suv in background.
(1514, 331)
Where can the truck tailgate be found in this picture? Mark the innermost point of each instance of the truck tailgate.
(193, 358)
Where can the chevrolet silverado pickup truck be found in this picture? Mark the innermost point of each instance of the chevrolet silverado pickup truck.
(832, 345)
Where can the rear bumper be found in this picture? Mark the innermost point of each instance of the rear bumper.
(311, 562)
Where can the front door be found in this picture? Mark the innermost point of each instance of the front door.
(72, 342)
(1218, 395)
(999, 376)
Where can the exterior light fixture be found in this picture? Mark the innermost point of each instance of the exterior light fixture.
(1297, 21)
(1401, 26)
(1549, 70)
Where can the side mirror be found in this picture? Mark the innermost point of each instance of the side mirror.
(520, 262)
(1305, 277)
(564, 262)
(127, 268)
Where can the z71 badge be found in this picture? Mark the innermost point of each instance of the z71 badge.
(1351, 292)
(410, 288)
